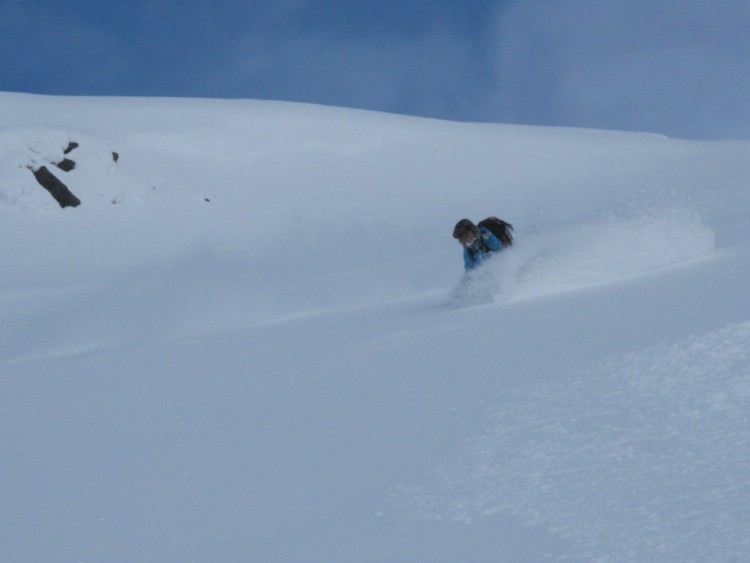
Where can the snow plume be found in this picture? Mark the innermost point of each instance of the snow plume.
(643, 238)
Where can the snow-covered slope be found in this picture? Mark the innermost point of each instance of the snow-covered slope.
(252, 340)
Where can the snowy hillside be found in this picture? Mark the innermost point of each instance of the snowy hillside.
(252, 339)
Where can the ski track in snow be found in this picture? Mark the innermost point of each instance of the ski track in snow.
(641, 458)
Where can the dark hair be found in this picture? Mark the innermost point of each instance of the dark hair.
(462, 227)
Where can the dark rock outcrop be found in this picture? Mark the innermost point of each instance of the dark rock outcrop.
(66, 165)
(55, 187)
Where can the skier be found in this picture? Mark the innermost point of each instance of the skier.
(478, 243)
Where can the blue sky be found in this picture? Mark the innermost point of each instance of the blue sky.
(673, 67)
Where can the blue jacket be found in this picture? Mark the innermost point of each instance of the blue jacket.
(484, 246)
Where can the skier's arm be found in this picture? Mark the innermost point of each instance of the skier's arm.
(492, 242)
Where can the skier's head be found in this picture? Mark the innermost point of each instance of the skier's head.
(465, 232)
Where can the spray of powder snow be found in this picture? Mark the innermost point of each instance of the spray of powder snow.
(641, 239)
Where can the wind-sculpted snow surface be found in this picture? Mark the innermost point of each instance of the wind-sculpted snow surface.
(93, 170)
(643, 457)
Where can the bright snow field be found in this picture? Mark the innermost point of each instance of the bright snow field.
(254, 340)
